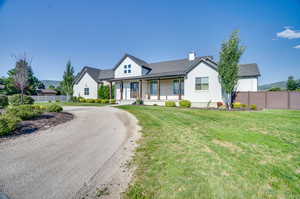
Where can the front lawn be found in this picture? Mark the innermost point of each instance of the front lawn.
(73, 103)
(191, 153)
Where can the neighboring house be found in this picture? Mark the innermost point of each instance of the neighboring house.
(46, 92)
(195, 79)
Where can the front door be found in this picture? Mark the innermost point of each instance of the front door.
(134, 90)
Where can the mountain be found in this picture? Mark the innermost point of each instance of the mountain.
(47, 83)
(281, 85)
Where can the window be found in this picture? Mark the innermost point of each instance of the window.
(127, 68)
(201, 83)
(176, 87)
(153, 87)
(86, 91)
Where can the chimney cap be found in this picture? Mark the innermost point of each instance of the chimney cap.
(191, 56)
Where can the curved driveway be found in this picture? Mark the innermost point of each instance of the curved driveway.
(58, 162)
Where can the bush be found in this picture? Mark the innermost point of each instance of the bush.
(219, 104)
(90, 100)
(237, 105)
(8, 123)
(244, 105)
(253, 107)
(139, 102)
(170, 104)
(16, 99)
(81, 99)
(275, 89)
(3, 101)
(105, 101)
(185, 103)
(113, 101)
(25, 112)
(98, 101)
(54, 108)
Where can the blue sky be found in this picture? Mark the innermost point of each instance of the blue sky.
(98, 33)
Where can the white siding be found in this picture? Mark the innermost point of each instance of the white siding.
(86, 82)
(136, 70)
(247, 84)
(213, 94)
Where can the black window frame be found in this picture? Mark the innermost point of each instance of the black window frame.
(86, 91)
(202, 85)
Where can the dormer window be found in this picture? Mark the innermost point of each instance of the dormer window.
(127, 68)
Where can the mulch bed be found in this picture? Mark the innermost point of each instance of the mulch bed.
(44, 121)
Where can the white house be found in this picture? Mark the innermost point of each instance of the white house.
(194, 78)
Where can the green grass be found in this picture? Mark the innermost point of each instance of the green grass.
(190, 153)
(72, 103)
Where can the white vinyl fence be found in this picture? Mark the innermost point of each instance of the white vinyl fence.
(52, 98)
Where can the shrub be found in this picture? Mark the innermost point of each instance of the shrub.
(16, 99)
(253, 107)
(219, 104)
(185, 103)
(3, 101)
(244, 105)
(81, 99)
(275, 89)
(139, 102)
(98, 101)
(105, 101)
(90, 100)
(25, 112)
(54, 108)
(154, 104)
(237, 105)
(8, 123)
(170, 104)
(113, 101)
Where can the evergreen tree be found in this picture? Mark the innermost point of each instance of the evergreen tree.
(291, 84)
(68, 79)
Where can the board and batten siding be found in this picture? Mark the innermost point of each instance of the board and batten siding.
(214, 92)
(136, 70)
(86, 82)
(247, 84)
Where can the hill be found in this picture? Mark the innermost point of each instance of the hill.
(281, 84)
(47, 83)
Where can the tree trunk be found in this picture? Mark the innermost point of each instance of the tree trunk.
(22, 96)
(229, 101)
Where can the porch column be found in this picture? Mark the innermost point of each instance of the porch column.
(179, 95)
(121, 90)
(110, 90)
(148, 89)
(158, 89)
(140, 89)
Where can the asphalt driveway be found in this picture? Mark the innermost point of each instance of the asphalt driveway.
(58, 162)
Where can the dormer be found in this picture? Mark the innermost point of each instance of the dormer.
(130, 66)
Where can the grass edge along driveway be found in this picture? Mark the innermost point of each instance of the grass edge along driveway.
(191, 153)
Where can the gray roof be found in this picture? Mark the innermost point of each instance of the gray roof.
(171, 68)
(248, 70)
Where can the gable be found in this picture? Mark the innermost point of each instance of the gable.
(128, 68)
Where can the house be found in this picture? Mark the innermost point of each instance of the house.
(46, 92)
(194, 78)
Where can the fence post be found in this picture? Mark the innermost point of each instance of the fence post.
(266, 99)
(288, 100)
(248, 101)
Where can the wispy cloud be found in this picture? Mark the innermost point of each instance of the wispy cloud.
(288, 33)
(297, 47)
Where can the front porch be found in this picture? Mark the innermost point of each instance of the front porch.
(151, 91)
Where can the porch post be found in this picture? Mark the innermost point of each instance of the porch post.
(141, 89)
(158, 89)
(121, 89)
(148, 89)
(110, 90)
(179, 95)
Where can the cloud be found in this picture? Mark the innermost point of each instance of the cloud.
(297, 47)
(288, 33)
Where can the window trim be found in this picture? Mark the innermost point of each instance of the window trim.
(127, 69)
(154, 82)
(201, 84)
(86, 91)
